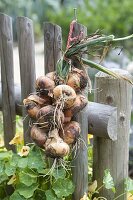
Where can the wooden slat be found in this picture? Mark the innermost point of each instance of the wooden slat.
(80, 170)
(52, 46)
(8, 100)
(27, 64)
(102, 120)
(109, 154)
(80, 162)
(102, 114)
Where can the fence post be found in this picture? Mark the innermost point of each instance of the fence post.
(109, 154)
(7, 77)
(27, 65)
(80, 163)
(52, 46)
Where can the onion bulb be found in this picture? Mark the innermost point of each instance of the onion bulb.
(55, 146)
(65, 95)
(80, 102)
(38, 136)
(32, 108)
(77, 79)
(44, 85)
(46, 100)
(51, 75)
(71, 132)
(49, 118)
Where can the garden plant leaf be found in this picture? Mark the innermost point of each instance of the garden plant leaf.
(25, 191)
(108, 180)
(129, 185)
(16, 196)
(27, 178)
(63, 187)
(50, 195)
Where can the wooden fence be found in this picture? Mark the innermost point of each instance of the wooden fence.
(108, 118)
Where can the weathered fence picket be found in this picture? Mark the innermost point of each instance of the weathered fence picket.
(109, 154)
(79, 163)
(97, 118)
(27, 64)
(7, 78)
(52, 46)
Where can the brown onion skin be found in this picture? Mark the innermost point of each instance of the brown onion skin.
(31, 107)
(39, 100)
(64, 93)
(77, 79)
(38, 136)
(45, 117)
(44, 85)
(56, 147)
(80, 102)
(71, 132)
(33, 103)
(51, 75)
(48, 100)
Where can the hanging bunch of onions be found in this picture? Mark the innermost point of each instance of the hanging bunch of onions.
(59, 95)
(52, 109)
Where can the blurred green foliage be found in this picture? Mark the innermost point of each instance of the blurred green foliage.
(34, 9)
(110, 16)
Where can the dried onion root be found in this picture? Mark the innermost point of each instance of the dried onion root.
(80, 102)
(65, 95)
(49, 118)
(55, 146)
(38, 136)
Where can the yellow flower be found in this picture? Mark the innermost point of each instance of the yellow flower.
(24, 151)
(129, 196)
(89, 137)
(12, 180)
(1, 142)
(18, 139)
(92, 188)
(84, 197)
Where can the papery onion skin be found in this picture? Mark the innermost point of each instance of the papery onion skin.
(65, 94)
(57, 149)
(55, 146)
(44, 85)
(31, 107)
(38, 135)
(51, 75)
(71, 132)
(80, 102)
(41, 101)
(49, 118)
(77, 79)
